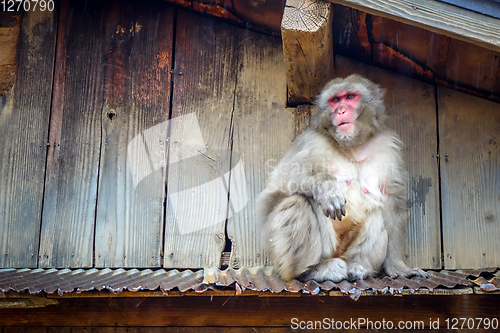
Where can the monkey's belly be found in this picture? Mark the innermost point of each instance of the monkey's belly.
(358, 207)
(347, 232)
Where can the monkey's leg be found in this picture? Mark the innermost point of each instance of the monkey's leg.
(295, 236)
(367, 253)
(333, 269)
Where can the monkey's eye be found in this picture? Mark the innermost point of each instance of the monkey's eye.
(350, 96)
(335, 100)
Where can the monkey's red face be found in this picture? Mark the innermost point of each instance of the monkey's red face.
(344, 110)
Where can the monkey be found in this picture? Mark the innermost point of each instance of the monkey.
(334, 207)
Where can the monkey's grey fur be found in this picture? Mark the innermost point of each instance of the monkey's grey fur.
(328, 174)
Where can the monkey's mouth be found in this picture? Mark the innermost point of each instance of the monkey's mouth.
(345, 126)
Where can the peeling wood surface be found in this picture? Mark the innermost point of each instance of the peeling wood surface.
(67, 233)
(412, 114)
(24, 125)
(129, 219)
(205, 77)
(470, 158)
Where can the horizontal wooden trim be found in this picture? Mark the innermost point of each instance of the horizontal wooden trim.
(488, 7)
(248, 311)
(436, 16)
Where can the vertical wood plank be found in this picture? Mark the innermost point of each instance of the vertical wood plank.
(470, 160)
(67, 232)
(199, 153)
(411, 107)
(24, 126)
(129, 221)
(263, 132)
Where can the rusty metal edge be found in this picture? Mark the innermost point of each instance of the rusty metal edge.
(254, 281)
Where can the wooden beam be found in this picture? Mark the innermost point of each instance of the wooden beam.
(436, 16)
(307, 35)
(233, 311)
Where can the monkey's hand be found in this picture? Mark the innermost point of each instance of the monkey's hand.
(328, 195)
(398, 268)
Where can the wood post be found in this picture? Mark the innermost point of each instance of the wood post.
(306, 29)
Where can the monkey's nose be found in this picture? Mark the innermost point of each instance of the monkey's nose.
(341, 109)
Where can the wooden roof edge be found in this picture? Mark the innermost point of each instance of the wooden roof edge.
(436, 16)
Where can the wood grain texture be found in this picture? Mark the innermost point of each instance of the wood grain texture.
(129, 221)
(411, 41)
(470, 160)
(411, 109)
(263, 132)
(437, 57)
(306, 30)
(10, 28)
(436, 16)
(350, 32)
(24, 126)
(199, 156)
(121, 313)
(471, 66)
(67, 234)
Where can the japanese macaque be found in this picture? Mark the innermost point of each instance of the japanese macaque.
(335, 206)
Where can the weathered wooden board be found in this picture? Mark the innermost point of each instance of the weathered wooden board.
(199, 154)
(162, 313)
(67, 233)
(263, 132)
(350, 32)
(436, 16)
(10, 28)
(469, 135)
(411, 106)
(24, 126)
(129, 220)
(481, 67)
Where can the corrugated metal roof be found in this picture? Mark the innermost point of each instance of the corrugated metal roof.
(256, 278)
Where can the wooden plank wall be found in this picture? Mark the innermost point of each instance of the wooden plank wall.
(263, 132)
(120, 185)
(469, 140)
(69, 208)
(24, 123)
(204, 83)
(136, 97)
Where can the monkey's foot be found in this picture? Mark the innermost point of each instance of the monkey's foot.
(400, 269)
(356, 272)
(334, 269)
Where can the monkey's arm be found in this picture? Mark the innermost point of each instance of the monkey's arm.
(320, 185)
